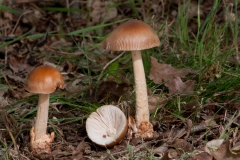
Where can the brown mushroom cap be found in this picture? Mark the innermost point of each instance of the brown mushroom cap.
(44, 80)
(107, 126)
(131, 35)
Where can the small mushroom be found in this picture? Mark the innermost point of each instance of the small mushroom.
(43, 80)
(135, 35)
(107, 126)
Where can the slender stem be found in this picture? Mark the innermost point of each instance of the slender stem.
(142, 111)
(42, 116)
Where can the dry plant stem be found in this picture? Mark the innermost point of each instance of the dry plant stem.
(142, 111)
(42, 116)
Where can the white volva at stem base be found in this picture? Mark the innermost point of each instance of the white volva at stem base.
(142, 111)
(42, 116)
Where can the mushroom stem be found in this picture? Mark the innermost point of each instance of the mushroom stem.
(142, 112)
(42, 116)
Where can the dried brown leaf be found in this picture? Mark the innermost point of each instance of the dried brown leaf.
(236, 147)
(109, 13)
(209, 123)
(161, 149)
(102, 11)
(19, 65)
(155, 101)
(174, 133)
(176, 85)
(82, 148)
(213, 144)
(220, 150)
(173, 154)
(7, 15)
(160, 73)
(183, 145)
(3, 102)
(202, 156)
(166, 156)
(224, 152)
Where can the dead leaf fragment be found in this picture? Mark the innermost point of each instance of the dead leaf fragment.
(102, 11)
(160, 73)
(176, 85)
(18, 64)
(220, 150)
(213, 145)
(155, 101)
(183, 145)
(202, 156)
(161, 149)
(82, 148)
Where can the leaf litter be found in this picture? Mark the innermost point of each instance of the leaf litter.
(212, 133)
(171, 77)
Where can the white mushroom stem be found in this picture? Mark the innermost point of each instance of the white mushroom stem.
(142, 112)
(42, 116)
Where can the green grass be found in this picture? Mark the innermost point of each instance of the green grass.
(92, 28)
(8, 9)
(213, 44)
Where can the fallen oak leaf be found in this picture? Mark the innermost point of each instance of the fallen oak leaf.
(160, 73)
(18, 64)
(155, 102)
(176, 85)
(220, 150)
(82, 148)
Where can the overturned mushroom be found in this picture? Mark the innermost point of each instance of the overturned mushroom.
(107, 126)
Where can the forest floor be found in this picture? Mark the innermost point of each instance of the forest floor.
(193, 77)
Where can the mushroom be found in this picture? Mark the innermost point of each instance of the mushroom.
(43, 80)
(135, 35)
(107, 126)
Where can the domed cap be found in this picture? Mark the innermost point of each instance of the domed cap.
(44, 80)
(107, 126)
(131, 35)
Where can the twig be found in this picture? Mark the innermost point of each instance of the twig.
(113, 60)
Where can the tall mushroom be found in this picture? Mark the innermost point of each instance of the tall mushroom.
(135, 35)
(107, 126)
(43, 80)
